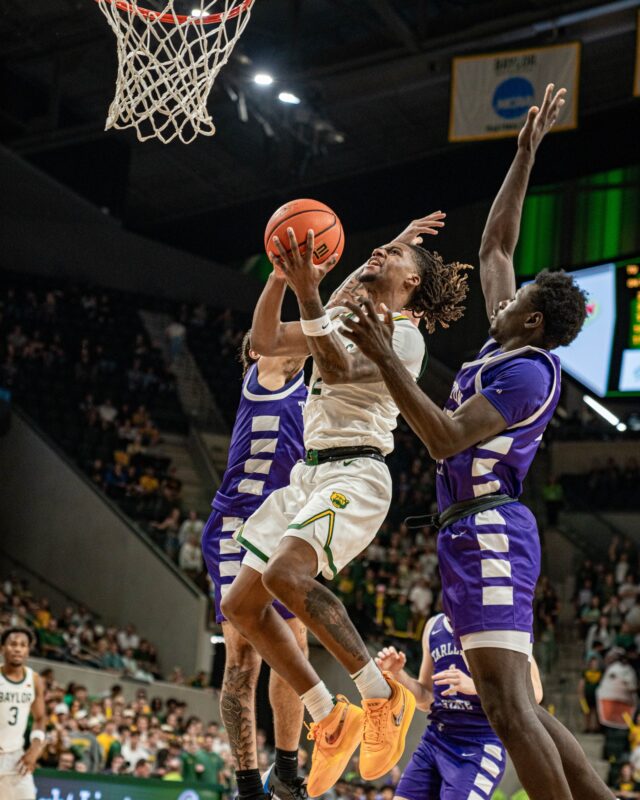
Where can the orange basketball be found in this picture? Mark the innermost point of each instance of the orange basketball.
(303, 215)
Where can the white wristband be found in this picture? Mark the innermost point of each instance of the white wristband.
(36, 736)
(317, 327)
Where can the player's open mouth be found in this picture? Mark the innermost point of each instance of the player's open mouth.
(373, 262)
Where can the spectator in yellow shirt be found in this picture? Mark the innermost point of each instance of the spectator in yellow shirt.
(108, 736)
(148, 481)
(43, 614)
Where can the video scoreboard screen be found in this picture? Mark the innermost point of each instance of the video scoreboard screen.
(605, 357)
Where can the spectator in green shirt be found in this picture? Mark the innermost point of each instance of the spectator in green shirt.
(208, 766)
(190, 766)
(401, 616)
(51, 641)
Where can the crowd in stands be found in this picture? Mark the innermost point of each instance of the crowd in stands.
(77, 636)
(585, 425)
(214, 339)
(144, 738)
(607, 485)
(79, 361)
(607, 606)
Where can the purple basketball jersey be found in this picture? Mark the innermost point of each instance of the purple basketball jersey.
(455, 715)
(266, 442)
(524, 386)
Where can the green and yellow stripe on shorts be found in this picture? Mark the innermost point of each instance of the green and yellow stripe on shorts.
(330, 514)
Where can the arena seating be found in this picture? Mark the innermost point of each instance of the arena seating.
(76, 636)
(144, 738)
(79, 362)
(610, 486)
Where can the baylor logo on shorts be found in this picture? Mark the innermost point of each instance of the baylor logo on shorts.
(339, 500)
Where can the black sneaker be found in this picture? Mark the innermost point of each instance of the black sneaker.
(281, 790)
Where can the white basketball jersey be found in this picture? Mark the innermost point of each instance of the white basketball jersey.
(360, 414)
(16, 699)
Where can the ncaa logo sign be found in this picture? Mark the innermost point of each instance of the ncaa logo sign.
(189, 795)
(512, 98)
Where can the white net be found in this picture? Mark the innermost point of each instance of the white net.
(167, 63)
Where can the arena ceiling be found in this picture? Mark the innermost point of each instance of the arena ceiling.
(373, 77)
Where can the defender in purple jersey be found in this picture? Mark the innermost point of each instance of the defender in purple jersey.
(459, 756)
(484, 442)
(266, 442)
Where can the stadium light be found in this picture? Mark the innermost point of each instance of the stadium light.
(197, 12)
(289, 97)
(604, 413)
(263, 79)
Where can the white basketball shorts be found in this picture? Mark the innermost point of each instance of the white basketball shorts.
(12, 785)
(337, 507)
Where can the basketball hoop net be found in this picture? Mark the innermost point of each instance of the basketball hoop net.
(167, 63)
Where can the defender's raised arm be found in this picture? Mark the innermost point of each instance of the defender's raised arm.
(503, 223)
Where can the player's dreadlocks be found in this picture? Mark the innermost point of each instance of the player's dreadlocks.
(440, 296)
(244, 353)
(563, 305)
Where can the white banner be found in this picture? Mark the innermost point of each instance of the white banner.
(636, 78)
(491, 93)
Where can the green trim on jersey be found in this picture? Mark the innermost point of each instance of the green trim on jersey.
(15, 683)
(425, 361)
(331, 514)
(249, 546)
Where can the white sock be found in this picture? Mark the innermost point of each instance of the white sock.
(318, 701)
(371, 683)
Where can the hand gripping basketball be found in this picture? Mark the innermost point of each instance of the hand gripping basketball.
(299, 270)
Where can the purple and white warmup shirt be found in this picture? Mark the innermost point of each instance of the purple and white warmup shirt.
(459, 757)
(524, 386)
(460, 714)
(266, 442)
(490, 561)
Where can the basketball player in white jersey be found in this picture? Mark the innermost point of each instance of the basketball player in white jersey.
(337, 497)
(21, 695)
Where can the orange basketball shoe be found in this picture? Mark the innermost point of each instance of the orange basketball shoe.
(386, 723)
(336, 739)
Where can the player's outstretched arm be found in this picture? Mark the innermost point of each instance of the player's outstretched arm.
(29, 760)
(269, 335)
(503, 223)
(476, 419)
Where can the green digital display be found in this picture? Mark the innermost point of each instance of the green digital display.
(54, 785)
